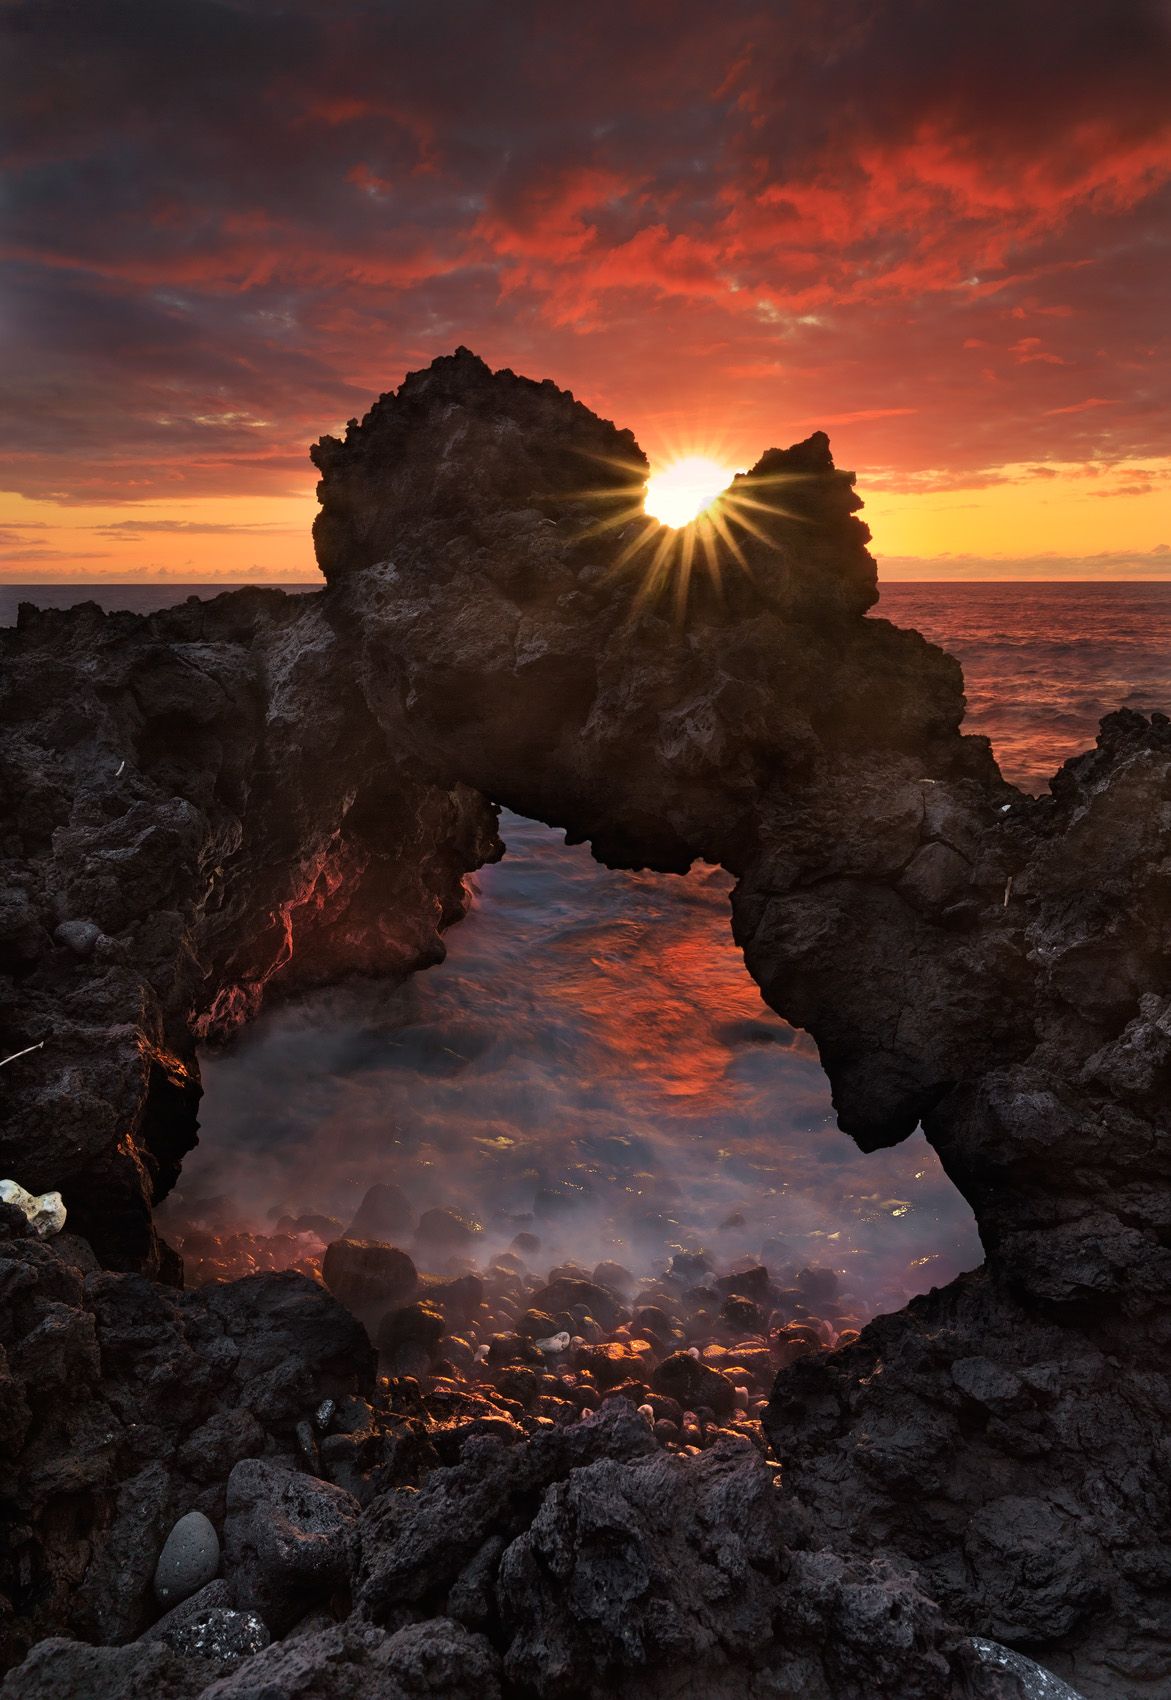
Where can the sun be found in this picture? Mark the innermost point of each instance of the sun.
(693, 516)
(683, 489)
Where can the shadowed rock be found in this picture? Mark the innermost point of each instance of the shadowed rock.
(206, 791)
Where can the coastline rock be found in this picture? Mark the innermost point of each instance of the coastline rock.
(368, 1276)
(125, 1404)
(285, 1540)
(262, 793)
(208, 790)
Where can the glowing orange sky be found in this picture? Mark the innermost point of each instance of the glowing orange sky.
(938, 232)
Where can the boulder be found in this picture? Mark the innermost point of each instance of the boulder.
(384, 1214)
(189, 1560)
(568, 1293)
(367, 1276)
(285, 1540)
(690, 1381)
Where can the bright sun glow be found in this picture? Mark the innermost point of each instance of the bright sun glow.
(680, 492)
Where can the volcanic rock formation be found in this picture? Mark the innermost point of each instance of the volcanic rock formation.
(199, 812)
(500, 623)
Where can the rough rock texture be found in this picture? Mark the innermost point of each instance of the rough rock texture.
(500, 622)
(472, 531)
(1019, 1462)
(995, 966)
(124, 1405)
(204, 790)
(603, 1567)
(285, 1540)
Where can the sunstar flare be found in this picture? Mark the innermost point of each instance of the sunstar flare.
(683, 489)
(689, 512)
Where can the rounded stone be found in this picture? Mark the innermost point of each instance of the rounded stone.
(189, 1560)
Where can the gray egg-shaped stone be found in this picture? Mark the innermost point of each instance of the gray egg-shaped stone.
(189, 1560)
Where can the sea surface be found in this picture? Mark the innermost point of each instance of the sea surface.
(1043, 662)
(593, 1060)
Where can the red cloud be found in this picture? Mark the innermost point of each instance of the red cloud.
(815, 216)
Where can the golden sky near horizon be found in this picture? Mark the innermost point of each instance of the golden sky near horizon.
(940, 233)
(1056, 525)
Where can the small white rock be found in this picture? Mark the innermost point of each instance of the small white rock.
(553, 1343)
(43, 1210)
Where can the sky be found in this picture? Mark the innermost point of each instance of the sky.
(938, 231)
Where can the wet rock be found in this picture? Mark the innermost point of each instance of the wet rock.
(367, 1276)
(446, 1229)
(535, 1325)
(751, 1283)
(421, 1325)
(615, 1277)
(692, 1383)
(189, 1560)
(384, 1214)
(743, 1314)
(285, 1540)
(459, 1299)
(568, 1293)
(1036, 1683)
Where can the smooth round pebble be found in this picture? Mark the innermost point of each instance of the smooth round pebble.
(189, 1560)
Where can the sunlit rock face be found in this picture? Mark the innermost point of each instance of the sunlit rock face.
(201, 814)
(473, 530)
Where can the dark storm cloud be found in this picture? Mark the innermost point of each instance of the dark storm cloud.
(228, 223)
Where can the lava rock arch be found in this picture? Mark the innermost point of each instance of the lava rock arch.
(992, 965)
(211, 804)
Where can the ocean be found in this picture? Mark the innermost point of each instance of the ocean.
(593, 1060)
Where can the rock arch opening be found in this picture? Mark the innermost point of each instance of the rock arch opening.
(993, 965)
(591, 1066)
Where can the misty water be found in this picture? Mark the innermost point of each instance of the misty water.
(592, 1063)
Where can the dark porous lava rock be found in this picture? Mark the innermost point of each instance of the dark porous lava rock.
(205, 790)
(210, 806)
(991, 966)
(124, 1405)
(285, 1540)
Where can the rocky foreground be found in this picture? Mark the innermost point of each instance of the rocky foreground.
(212, 806)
